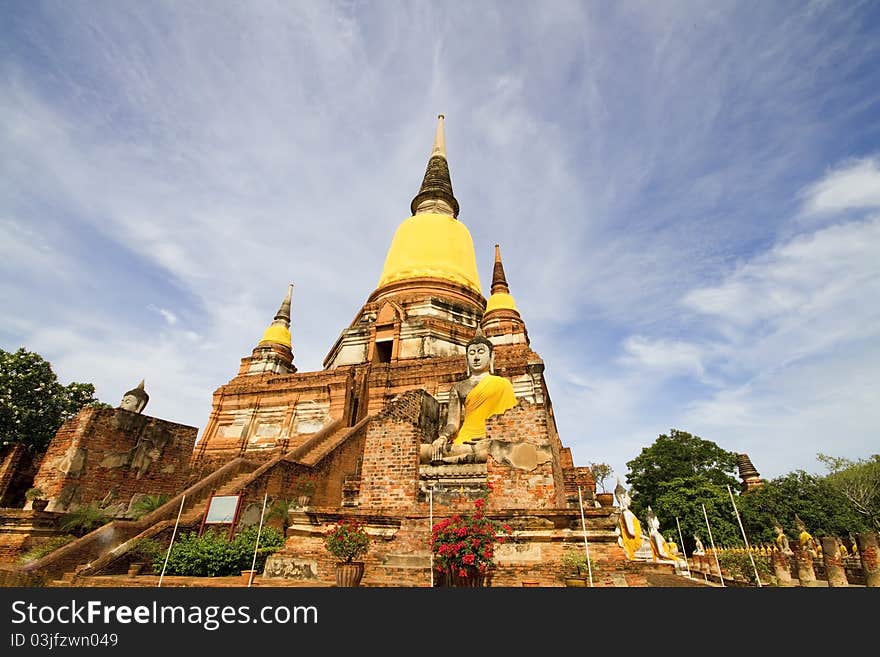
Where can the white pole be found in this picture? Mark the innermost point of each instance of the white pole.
(586, 545)
(431, 529)
(712, 541)
(683, 551)
(257, 546)
(748, 549)
(173, 534)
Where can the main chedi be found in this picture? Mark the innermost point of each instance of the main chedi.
(370, 426)
(400, 425)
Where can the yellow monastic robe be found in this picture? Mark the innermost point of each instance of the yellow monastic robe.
(628, 542)
(491, 396)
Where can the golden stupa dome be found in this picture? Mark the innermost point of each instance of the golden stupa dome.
(433, 243)
(278, 332)
(435, 246)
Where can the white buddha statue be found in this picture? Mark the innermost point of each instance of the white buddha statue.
(629, 529)
(135, 399)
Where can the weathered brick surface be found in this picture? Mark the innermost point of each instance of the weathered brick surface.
(102, 452)
(400, 550)
(389, 478)
(514, 488)
(18, 466)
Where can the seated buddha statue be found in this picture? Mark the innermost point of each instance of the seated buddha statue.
(629, 529)
(698, 546)
(805, 538)
(471, 402)
(658, 543)
(782, 540)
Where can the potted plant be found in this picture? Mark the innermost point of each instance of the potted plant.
(577, 568)
(601, 472)
(348, 541)
(464, 546)
(37, 498)
(303, 489)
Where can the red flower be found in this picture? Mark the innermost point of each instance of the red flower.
(465, 543)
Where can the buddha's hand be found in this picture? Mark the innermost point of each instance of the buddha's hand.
(440, 447)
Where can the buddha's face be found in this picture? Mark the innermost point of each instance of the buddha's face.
(130, 403)
(478, 356)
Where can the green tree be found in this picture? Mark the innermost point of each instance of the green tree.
(823, 508)
(684, 498)
(33, 404)
(859, 482)
(679, 455)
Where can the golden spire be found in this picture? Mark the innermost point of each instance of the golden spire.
(278, 331)
(501, 298)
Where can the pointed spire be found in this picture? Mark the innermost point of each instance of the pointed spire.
(435, 193)
(284, 311)
(141, 385)
(499, 281)
(279, 330)
(439, 139)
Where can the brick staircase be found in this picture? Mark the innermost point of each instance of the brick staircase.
(99, 550)
(311, 452)
(103, 546)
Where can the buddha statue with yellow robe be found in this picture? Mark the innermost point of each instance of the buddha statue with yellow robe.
(629, 529)
(471, 402)
(805, 538)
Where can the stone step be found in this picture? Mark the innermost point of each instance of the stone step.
(419, 560)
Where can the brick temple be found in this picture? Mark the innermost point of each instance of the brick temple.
(356, 426)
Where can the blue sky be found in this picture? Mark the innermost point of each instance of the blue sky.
(687, 197)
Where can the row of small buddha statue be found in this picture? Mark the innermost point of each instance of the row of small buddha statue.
(630, 537)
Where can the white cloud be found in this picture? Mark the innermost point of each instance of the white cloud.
(855, 185)
(166, 170)
(169, 316)
(669, 357)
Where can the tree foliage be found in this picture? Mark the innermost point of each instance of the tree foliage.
(33, 404)
(824, 509)
(859, 482)
(684, 498)
(680, 474)
(679, 455)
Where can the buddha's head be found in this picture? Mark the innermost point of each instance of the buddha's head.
(479, 354)
(135, 400)
(623, 499)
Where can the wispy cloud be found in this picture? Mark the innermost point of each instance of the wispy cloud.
(686, 202)
(855, 185)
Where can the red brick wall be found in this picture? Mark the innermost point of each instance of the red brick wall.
(514, 488)
(18, 466)
(389, 477)
(101, 450)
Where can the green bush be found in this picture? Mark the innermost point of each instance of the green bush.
(213, 555)
(84, 519)
(148, 549)
(147, 504)
(45, 548)
(739, 565)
